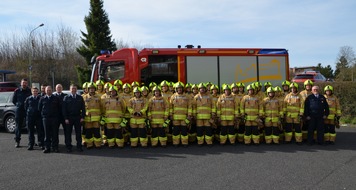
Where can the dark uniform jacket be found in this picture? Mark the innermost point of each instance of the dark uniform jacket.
(316, 107)
(31, 106)
(20, 96)
(73, 106)
(49, 106)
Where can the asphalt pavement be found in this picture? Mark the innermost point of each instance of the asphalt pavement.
(218, 167)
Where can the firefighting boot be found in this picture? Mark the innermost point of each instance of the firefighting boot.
(97, 142)
(326, 137)
(305, 135)
(232, 139)
(154, 141)
(247, 139)
(256, 139)
(288, 137)
(200, 140)
(240, 137)
(185, 140)
(143, 141)
(134, 142)
(192, 137)
(275, 139)
(120, 142)
(89, 142)
(223, 139)
(176, 140)
(332, 138)
(208, 140)
(163, 141)
(268, 139)
(298, 138)
(111, 142)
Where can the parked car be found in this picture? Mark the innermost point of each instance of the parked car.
(314, 76)
(79, 92)
(7, 112)
(8, 86)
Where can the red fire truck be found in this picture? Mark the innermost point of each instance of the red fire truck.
(193, 65)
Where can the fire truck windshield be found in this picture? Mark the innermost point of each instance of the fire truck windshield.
(112, 70)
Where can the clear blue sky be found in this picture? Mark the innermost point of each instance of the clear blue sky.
(312, 30)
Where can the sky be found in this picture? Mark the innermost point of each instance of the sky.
(313, 31)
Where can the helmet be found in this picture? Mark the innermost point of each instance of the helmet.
(152, 84)
(143, 88)
(270, 89)
(126, 85)
(91, 85)
(135, 83)
(267, 84)
(188, 85)
(137, 89)
(226, 87)
(99, 82)
(308, 82)
(214, 87)
(201, 85)
(258, 84)
(155, 88)
(178, 85)
(194, 86)
(329, 87)
(234, 85)
(285, 83)
(250, 87)
(294, 85)
(240, 84)
(107, 85)
(164, 83)
(118, 82)
(85, 85)
(113, 88)
(171, 84)
(277, 89)
(208, 83)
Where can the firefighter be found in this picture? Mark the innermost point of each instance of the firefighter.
(234, 88)
(188, 88)
(241, 123)
(195, 90)
(99, 87)
(118, 84)
(146, 93)
(266, 86)
(135, 84)
(280, 96)
(208, 86)
(114, 108)
(171, 87)
(294, 110)
(92, 117)
(126, 95)
(181, 115)
(192, 133)
(165, 90)
(85, 88)
(137, 107)
(214, 91)
(204, 110)
(227, 109)
(151, 86)
(308, 84)
(85, 92)
(103, 97)
(249, 108)
(271, 110)
(285, 88)
(333, 118)
(258, 91)
(158, 112)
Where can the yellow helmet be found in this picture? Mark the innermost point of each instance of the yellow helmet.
(267, 84)
(308, 82)
(285, 83)
(329, 87)
(233, 85)
(155, 88)
(85, 85)
(91, 85)
(277, 89)
(107, 85)
(250, 87)
(270, 89)
(126, 85)
(164, 83)
(137, 89)
(144, 88)
(152, 84)
(188, 85)
(178, 85)
(201, 85)
(240, 84)
(194, 86)
(258, 84)
(135, 84)
(99, 82)
(294, 85)
(214, 87)
(226, 87)
(113, 88)
(118, 82)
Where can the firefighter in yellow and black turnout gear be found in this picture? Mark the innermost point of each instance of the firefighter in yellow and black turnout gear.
(204, 110)
(272, 112)
(308, 84)
(114, 108)
(294, 111)
(241, 124)
(332, 121)
(126, 95)
(137, 107)
(85, 92)
(181, 115)
(158, 112)
(228, 112)
(249, 108)
(92, 117)
(102, 122)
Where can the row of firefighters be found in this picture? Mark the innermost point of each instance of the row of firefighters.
(188, 113)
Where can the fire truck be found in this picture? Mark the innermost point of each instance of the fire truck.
(193, 65)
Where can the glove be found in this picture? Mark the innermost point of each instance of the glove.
(123, 123)
(166, 123)
(102, 121)
(187, 121)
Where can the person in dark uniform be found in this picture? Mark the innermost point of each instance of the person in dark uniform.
(73, 109)
(33, 118)
(49, 106)
(18, 100)
(60, 95)
(316, 109)
(43, 89)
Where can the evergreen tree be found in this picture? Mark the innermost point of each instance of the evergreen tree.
(342, 69)
(327, 71)
(98, 36)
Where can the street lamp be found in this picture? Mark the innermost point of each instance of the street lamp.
(31, 54)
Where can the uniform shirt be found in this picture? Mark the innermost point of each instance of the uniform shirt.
(73, 105)
(49, 106)
(316, 106)
(20, 96)
(31, 106)
(61, 97)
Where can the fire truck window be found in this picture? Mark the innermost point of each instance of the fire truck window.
(113, 71)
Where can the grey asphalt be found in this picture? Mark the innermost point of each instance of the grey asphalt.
(219, 167)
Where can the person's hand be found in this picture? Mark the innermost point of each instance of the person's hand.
(66, 121)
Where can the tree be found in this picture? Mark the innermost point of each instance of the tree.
(98, 36)
(345, 64)
(327, 71)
